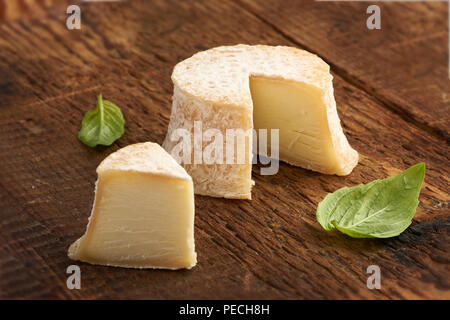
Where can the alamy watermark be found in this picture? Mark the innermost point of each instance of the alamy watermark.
(73, 21)
(234, 146)
(74, 280)
(374, 20)
(374, 280)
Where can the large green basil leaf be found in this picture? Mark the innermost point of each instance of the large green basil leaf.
(102, 125)
(379, 209)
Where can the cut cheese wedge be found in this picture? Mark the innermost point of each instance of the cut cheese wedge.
(143, 213)
(260, 87)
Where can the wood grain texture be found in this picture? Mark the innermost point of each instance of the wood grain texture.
(404, 64)
(269, 247)
(27, 9)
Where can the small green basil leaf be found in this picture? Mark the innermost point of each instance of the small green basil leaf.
(379, 209)
(102, 125)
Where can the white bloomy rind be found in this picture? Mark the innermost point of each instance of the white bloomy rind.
(143, 212)
(213, 86)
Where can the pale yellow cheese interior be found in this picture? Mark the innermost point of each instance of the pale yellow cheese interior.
(299, 112)
(259, 87)
(140, 220)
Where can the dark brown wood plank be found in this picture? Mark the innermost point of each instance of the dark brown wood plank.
(404, 64)
(270, 247)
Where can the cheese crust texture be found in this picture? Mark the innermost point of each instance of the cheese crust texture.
(143, 212)
(259, 87)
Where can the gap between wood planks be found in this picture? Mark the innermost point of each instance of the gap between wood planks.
(358, 83)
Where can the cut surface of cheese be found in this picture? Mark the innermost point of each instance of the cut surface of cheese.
(143, 212)
(260, 87)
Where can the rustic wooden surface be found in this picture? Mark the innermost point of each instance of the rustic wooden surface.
(393, 95)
